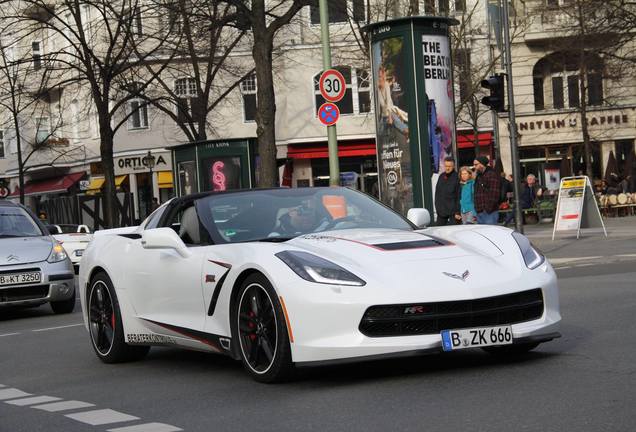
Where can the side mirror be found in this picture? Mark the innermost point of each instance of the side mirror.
(164, 238)
(419, 216)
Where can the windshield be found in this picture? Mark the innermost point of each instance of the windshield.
(68, 229)
(280, 214)
(16, 222)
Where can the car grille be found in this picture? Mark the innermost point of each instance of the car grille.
(432, 318)
(23, 293)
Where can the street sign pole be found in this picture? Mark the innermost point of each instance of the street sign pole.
(334, 168)
(512, 122)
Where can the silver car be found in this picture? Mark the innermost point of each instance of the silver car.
(34, 268)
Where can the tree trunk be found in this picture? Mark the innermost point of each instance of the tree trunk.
(266, 108)
(18, 143)
(587, 145)
(109, 191)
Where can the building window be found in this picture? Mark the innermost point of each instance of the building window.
(248, 91)
(557, 85)
(1, 144)
(137, 109)
(136, 24)
(338, 12)
(460, 5)
(462, 63)
(37, 55)
(357, 97)
(43, 130)
(557, 92)
(186, 91)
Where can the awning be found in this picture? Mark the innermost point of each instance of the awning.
(50, 186)
(164, 178)
(97, 183)
(467, 140)
(315, 151)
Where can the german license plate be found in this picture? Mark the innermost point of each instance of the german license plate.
(476, 337)
(20, 278)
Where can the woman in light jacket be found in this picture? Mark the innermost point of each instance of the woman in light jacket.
(466, 200)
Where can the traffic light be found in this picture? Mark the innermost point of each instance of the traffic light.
(497, 99)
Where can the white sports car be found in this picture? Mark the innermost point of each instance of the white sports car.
(279, 278)
(74, 239)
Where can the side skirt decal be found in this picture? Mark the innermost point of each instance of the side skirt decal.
(218, 343)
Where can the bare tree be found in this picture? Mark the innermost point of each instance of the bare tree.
(26, 97)
(195, 74)
(590, 37)
(96, 43)
(265, 19)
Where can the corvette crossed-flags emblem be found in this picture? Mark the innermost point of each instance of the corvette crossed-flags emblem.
(462, 278)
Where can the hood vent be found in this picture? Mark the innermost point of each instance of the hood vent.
(417, 244)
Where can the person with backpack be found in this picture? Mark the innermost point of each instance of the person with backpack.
(487, 192)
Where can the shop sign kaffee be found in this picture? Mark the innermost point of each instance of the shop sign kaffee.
(138, 163)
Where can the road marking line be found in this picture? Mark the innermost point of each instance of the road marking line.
(9, 334)
(33, 400)
(12, 393)
(101, 417)
(568, 260)
(63, 406)
(147, 427)
(56, 328)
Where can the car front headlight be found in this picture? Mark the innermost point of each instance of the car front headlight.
(532, 257)
(57, 253)
(315, 269)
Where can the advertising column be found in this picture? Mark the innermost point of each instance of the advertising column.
(414, 107)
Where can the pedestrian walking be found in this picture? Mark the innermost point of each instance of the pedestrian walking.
(466, 200)
(447, 195)
(487, 192)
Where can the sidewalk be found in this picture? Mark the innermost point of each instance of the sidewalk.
(620, 242)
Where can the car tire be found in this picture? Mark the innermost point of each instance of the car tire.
(106, 330)
(64, 306)
(511, 350)
(260, 329)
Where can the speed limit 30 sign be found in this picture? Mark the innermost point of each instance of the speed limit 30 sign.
(332, 85)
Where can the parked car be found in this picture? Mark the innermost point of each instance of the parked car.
(278, 278)
(74, 239)
(34, 267)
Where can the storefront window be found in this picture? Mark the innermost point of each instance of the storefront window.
(222, 173)
(187, 178)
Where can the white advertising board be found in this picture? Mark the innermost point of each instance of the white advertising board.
(576, 206)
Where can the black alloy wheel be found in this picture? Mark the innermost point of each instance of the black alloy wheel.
(101, 318)
(262, 331)
(105, 324)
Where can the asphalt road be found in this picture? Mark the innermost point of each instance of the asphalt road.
(583, 381)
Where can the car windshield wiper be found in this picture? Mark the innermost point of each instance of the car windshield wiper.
(10, 235)
(274, 239)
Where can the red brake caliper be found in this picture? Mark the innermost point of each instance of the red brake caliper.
(112, 320)
(251, 325)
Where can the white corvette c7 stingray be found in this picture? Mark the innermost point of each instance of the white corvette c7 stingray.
(279, 278)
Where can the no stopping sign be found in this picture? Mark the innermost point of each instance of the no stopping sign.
(332, 85)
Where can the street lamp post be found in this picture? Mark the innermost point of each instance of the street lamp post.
(149, 161)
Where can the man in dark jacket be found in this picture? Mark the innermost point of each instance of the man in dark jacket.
(487, 192)
(447, 194)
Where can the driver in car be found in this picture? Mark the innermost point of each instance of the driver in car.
(300, 220)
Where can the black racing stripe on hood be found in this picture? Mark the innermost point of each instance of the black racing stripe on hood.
(417, 244)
